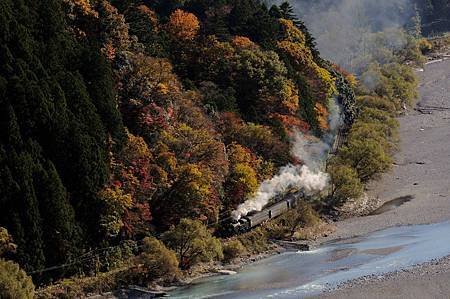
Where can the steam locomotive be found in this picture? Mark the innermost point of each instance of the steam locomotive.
(280, 205)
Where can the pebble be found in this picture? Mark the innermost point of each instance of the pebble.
(425, 269)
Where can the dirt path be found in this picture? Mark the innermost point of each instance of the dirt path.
(422, 171)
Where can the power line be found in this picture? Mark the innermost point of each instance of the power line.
(101, 253)
(435, 22)
(82, 258)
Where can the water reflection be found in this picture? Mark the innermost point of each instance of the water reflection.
(296, 275)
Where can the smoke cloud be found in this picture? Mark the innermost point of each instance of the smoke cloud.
(308, 177)
(353, 34)
(347, 31)
(301, 177)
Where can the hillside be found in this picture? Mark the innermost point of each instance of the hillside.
(123, 119)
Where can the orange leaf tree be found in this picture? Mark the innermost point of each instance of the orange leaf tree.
(183, 25)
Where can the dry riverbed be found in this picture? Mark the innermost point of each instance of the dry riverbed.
(429, 280)
(422, 174)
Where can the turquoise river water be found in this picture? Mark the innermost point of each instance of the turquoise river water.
(302, 274)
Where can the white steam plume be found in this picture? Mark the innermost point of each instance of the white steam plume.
(335, 119)
(308, 177)
(289, 176)
(346, 31)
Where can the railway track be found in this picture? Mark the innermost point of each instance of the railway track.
(338, 141)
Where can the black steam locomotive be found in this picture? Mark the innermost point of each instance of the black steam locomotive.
(280, 205)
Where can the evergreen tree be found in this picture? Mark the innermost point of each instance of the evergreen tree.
(20, 208)
(57, 108)
(98, 76)
(286, 11)
(60, 231)
(252, 19)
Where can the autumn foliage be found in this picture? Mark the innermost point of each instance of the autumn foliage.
(293, 44)
(183, 25)
(242, 42)
(322, 116)
(122, 118)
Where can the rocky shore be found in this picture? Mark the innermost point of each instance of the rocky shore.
(429, 280)
(421, 172)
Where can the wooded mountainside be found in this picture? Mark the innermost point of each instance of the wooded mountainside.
(119, 118)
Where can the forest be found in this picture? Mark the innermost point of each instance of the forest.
(130, 128)
(434, 16)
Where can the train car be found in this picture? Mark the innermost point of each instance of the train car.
(278, 209)
(281, 197)
(339, 140)
(255, 218)
(272, 211)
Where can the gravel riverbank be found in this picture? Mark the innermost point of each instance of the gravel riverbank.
(421, 172)
(419, 192)
(429, 280)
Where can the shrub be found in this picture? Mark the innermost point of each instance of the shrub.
(276, 230)
(374, 131)
(394, 81)
(157, 261)
(78, 287)
(255, 241)
(302, 216)
(424, 45)
(233, 249)
(193, 243)
(118, 256)
(379, 117)
(14, 282)
(367, 157)
(376, 115)
(440, 43)
(345, 183)
(414, 49)
(376, 102)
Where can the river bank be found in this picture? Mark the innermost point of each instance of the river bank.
(417, 185)
(428, 280)
(416, 189)
(300, 274)
(422, 172)
(422, 164)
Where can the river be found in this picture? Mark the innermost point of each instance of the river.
(396, 236)
(302, 274)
